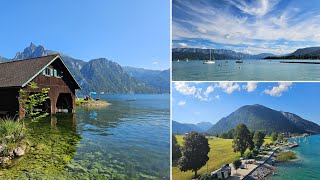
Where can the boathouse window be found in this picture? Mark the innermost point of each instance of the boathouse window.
(52, 72)
(57, 73)
(47, 72)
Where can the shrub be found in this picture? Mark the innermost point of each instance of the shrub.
(255, 152)
(9, 134)
(236, 164)
(248, 155)
(9, 127)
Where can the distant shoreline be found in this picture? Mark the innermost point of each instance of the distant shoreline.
(299, 62)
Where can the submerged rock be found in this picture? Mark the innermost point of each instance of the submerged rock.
(19, 151)
(21, 136)
(5, 161)
(8, 138)
(11, 153)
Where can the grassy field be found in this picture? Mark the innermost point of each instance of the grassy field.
(267, 140)
(221, 152)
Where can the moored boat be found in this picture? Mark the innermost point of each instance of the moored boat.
(209, 61)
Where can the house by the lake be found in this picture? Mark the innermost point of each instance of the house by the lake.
(223, 173)
(48, 72)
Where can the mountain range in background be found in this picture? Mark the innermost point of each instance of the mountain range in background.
(255, 117)
(201, 54)
(104, 76)
(303, 53)
(182, 128)
(155, 78)
(258, 117)
(221, 54)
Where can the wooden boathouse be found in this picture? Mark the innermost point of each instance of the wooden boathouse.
(48, 72)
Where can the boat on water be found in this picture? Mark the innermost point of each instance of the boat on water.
(239, 61)
(209, 61)
(187, 60)
(178, 60)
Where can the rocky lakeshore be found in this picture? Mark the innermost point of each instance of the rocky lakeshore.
(267, 168)
(12, 147)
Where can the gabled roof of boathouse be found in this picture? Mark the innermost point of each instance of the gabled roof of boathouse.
(20, 72)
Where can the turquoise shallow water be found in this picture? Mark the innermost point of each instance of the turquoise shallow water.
(249, 70)
(126, 140)
(306, 167)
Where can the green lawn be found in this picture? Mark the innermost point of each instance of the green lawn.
(267, 140)
(221, 152)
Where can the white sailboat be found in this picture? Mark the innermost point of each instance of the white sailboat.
(209, 61)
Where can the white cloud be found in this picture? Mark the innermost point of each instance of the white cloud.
(217, 97)
(259, 8)
(202, 30)
(199, 95)
(228, 87)
(246, 51)
(209, 90)
(184, 88)
(278, 90)
(183, 45)
(190, 89)
(251, 86)
(234, 29)
(181, 103)
(155, 62)
(205, 95)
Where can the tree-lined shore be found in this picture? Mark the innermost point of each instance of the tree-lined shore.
(240, 146)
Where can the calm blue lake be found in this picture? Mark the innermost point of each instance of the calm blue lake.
(126, 140)
(249, 70)
(306, 166)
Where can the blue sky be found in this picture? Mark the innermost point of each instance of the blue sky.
(134, 33)
(211, 101)
(249, 26)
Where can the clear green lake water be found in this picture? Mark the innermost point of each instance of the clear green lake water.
(306, 166)
(249, 70)
(126, 140)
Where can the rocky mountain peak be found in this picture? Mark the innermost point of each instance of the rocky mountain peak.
(31, 52)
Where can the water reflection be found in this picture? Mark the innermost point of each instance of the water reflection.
(52, 145)
(127, 140)
(54, 121)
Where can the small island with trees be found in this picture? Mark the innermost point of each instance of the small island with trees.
(91, 103)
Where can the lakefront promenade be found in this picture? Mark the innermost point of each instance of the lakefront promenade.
(256, 170)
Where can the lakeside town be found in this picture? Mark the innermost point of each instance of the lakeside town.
(253, 163)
